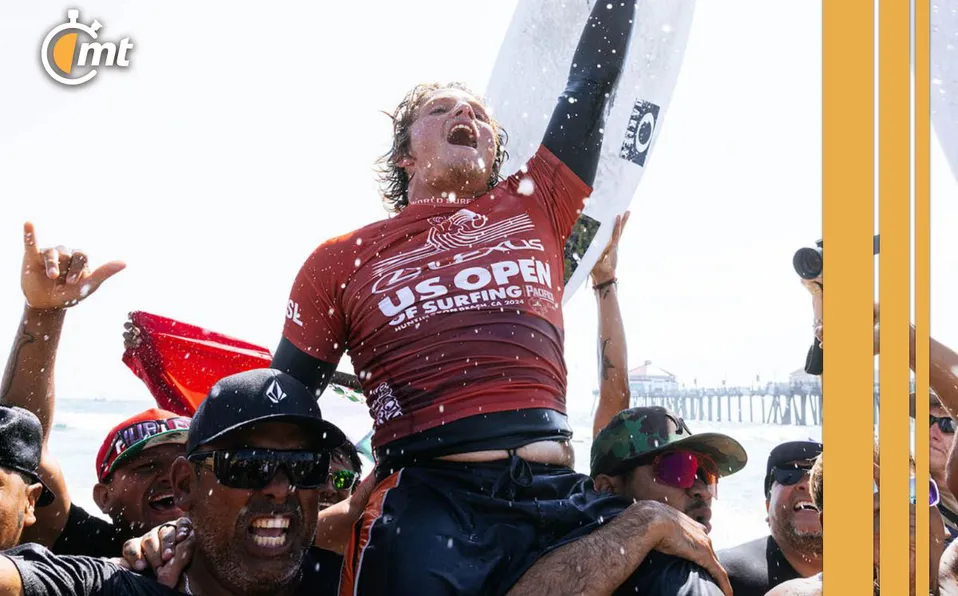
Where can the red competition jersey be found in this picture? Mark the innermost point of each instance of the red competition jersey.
(450, 309)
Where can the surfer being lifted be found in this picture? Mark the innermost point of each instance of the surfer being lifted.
(451, 314)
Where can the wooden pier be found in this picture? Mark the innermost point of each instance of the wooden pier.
(775, 403)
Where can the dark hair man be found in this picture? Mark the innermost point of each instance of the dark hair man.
(794, 547)
(258, 451)
(21, 490)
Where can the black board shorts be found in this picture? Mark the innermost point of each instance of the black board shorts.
(468, 528)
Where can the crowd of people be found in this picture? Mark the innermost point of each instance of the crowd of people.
(268, 463)
(451, 308)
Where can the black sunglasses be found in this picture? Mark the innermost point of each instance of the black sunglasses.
(946, 424)
(253, 469)
(791, 475)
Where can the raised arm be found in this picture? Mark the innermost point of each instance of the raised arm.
(614, 390)
(574, 134)
(52, 280)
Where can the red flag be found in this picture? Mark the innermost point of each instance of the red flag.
(180, 362)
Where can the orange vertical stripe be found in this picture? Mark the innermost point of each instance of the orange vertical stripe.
(847, 219)
(922, 135)
(894, 199)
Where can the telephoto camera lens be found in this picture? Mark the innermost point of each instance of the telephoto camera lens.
(808, 262)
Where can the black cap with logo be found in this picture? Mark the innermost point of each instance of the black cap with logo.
(21, 444)
(790, 454)
(257, 396)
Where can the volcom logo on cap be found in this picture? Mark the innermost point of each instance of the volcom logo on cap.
(275, 393)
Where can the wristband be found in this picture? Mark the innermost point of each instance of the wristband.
(605, 284)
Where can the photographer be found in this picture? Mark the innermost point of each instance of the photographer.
(814, 359)
(809, 265)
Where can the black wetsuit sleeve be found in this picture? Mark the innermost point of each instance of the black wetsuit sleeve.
(310, 371)
(574, 134)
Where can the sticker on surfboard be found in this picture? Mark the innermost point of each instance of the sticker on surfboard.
(530, 74)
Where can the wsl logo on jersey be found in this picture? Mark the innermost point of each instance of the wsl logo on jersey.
(639, 133)
(72, 52)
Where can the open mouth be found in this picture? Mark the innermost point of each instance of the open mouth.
(162, 501)
(269, 532)
(464, 136)
(805, 506)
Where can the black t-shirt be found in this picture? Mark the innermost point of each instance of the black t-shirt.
(756, 567)
(815, 359)
(665, 575)
(45, 574)
(88, 535)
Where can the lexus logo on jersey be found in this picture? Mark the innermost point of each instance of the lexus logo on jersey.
(639, 133)
(275, 393)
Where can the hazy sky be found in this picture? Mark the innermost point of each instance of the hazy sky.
(242, 136)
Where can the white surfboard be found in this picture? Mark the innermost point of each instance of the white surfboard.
(530, 73)
(944, 78)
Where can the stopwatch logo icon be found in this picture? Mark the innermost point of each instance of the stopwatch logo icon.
(72, 63)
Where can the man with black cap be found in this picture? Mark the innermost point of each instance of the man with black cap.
(794, 547)
(257, 453)
(21, 489)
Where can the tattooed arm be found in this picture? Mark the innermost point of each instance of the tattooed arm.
(28, 383)
(52, 281)
(608, 557)
(28, 378)
(614, 391)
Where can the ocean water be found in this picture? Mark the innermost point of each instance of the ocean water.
(738, 515)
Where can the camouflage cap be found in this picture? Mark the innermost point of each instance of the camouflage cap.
(638, 433)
